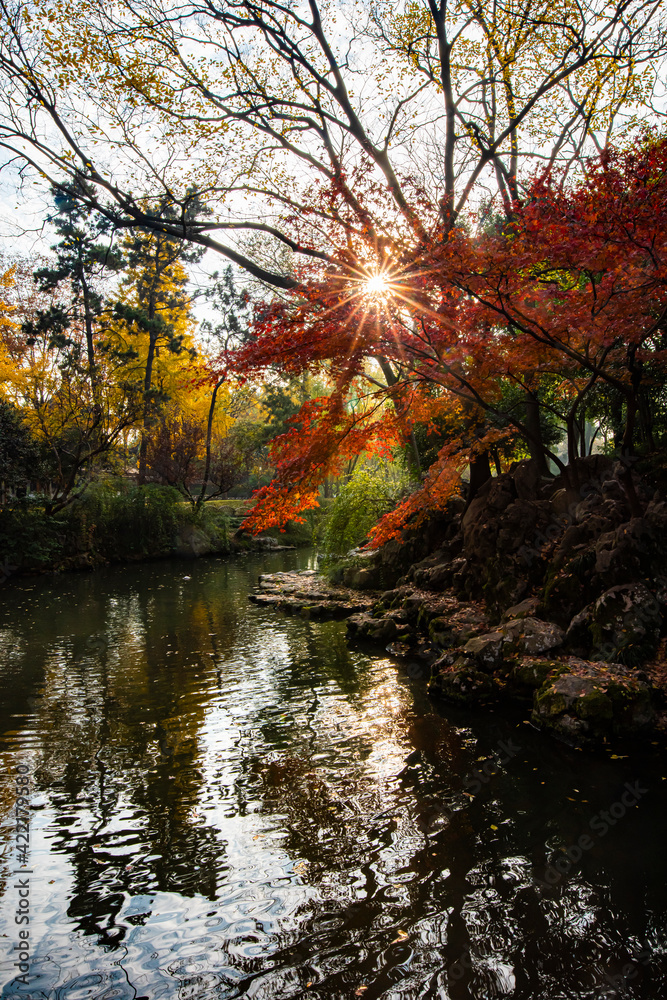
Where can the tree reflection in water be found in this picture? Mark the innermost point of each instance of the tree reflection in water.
(231, 802)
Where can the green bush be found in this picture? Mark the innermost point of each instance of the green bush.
(112, 522)
(361, 502)
(115, 520)
(29, 538)
(213, 520)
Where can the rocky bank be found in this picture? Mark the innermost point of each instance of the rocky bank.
(552, 592)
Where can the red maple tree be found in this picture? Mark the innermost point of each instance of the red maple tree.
(571, 288)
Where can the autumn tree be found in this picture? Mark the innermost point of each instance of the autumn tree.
(46, 375)
(230, 330)
(157, 308)
(572, 291)
(361, 149)
(262, 102)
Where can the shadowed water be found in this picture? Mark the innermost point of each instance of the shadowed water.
(227, 802)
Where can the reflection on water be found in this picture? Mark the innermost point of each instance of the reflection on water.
(228, 802)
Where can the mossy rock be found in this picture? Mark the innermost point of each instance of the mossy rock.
(549, 703)
(486, 650)
(424, 617)
(440, 631)
(504, 582)
(529, 674)
(621, 626)
(462, 684)
(567, 590)
(596, 705)
(589, 701)
(531, 636)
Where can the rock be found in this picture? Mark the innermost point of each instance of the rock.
(359, 625)
(611, 489)
(441, 632)
(456, 506)
(440, 576)
(626, 552)
(590, 700)
(382, 630)
(426, 652)
(461, 683)
(523, 610)
(398, 615)
(529, 674)
(568, 589)
(364, 578)
(500, 494)
(517, 522)
(192, 542)
(412, 604)
(267, 543)
(485, 650)
(401, 650)
(504, 537)
(394, 598)
(459, 568)
(527, 479)
(532, 636)
(308, 594)
(622, 625)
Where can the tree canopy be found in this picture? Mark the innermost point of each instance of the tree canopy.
(453, 209)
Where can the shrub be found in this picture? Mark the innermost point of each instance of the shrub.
(29, 538)
(115, 521)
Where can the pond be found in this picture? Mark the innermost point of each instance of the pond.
(227, 802)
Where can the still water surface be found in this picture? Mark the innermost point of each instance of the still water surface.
(230, 803)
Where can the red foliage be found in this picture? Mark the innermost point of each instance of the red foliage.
(574, 285)
(325, 434)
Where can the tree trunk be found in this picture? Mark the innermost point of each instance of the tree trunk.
(625, 477)
(415, 452)
(631, 402)
(535, 442)
(480, 473)
(209, 435)
(646, 418)
(572, 438)
(616, 416)
(148, 381)
(627, 444)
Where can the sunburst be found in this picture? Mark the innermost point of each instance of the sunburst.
(376, 285)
